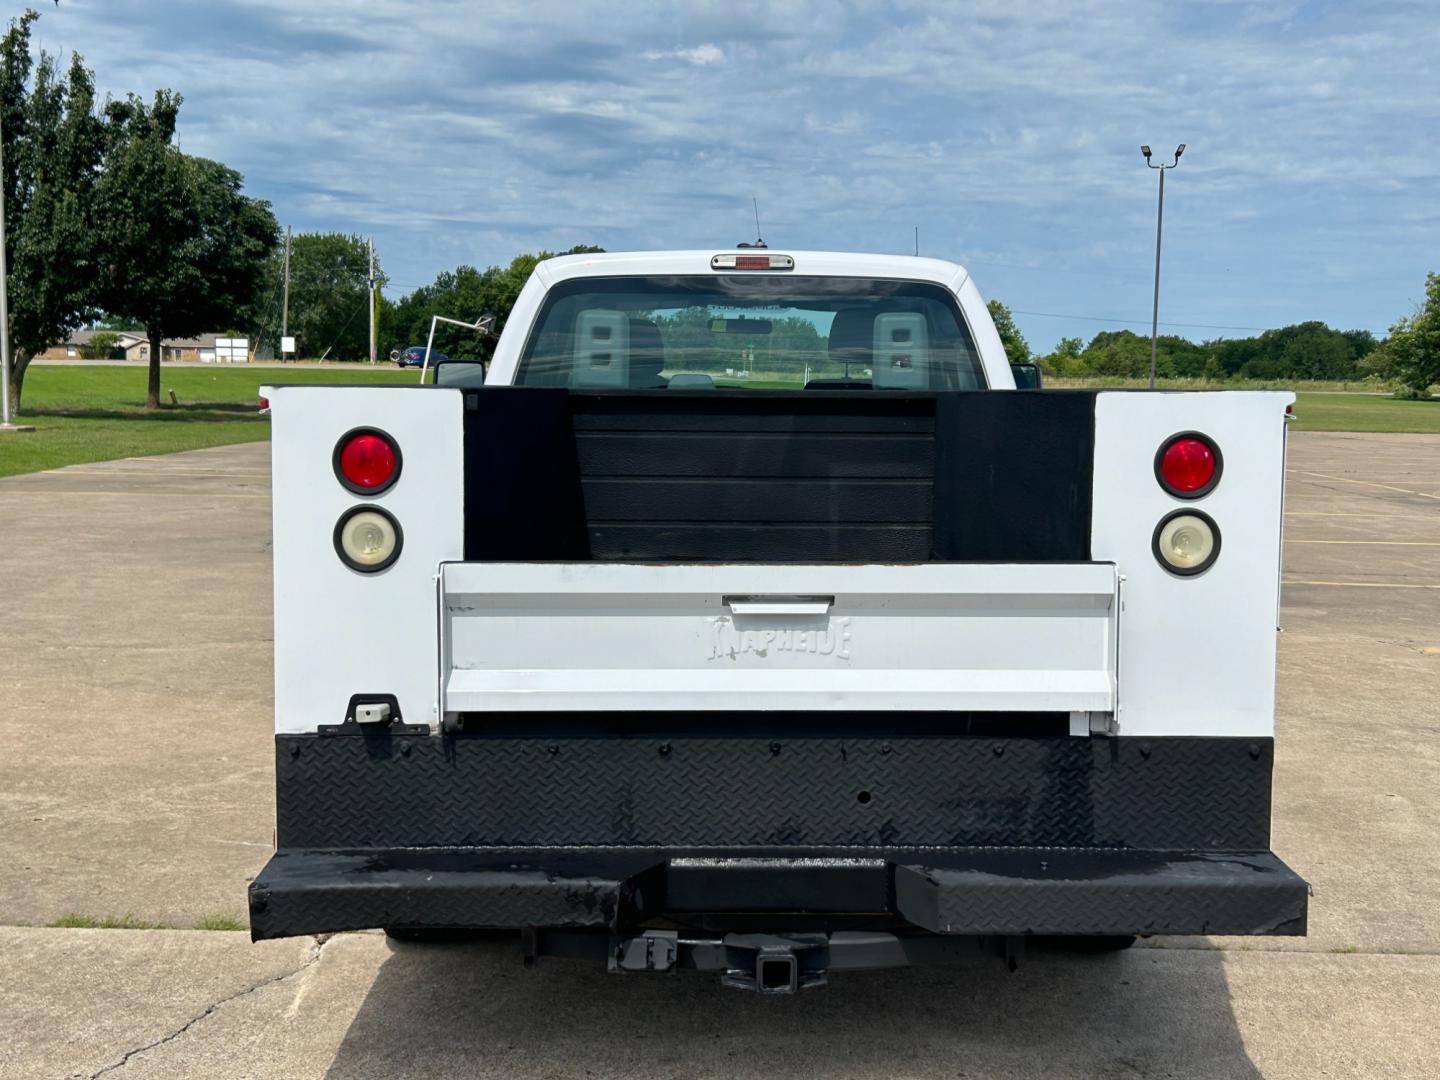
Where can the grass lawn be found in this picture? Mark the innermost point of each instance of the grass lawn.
(1364, 412)
(98, 413)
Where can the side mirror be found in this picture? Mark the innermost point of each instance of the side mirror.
(1027, 376)
(459, 373)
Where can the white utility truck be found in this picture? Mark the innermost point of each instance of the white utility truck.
(748, 619)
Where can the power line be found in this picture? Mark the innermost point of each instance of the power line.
(1137, 322)
(345, 327)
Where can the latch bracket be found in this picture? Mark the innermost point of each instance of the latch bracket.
(653, 950)
(373, 714)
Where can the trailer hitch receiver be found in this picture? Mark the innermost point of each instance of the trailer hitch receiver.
(771, 964)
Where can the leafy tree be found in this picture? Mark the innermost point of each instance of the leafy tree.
(329, 295)
(100, 345)
(1318, 354)
(182, 248)
(1016, 349)
(1412, 351)
(1065, 359)
(1308, 350)
(53, 146)
(106, 321)
(1125, 353)
(465, 293)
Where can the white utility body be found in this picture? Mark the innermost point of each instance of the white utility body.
(1198, 654)
(746, 585)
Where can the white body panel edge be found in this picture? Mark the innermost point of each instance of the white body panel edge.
(1197, 654)
(339, 632)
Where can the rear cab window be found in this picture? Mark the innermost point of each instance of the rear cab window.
(760, 332)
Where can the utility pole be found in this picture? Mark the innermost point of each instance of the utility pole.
(372, 300)
(5, 424)
(1159, 225)
(285, 303)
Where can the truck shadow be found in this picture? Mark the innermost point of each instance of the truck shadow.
(473, 1010)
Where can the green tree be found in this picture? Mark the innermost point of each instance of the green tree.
(1065, 358)
(1412, 351)
(182, 249)
(100, 345)
(1308, 350)
(1126, 354)
(53, 142)
(1016, 349)
(465, 293)
(329, 296)
(1317, 354)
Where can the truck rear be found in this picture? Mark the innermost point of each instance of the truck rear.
(748, 619)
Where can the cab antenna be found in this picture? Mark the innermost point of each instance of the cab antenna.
(759, 241)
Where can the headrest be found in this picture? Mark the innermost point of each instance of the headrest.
(647, 355)
(602, 349)
(902, 352)
(852, 335)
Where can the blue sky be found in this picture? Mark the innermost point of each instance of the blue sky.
(1007, 130)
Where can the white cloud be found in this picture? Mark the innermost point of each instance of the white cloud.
(701, 55)
(1009, 131)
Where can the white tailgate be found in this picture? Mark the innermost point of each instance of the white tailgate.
(617, 636)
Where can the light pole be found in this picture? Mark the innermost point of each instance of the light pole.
(1159, 224)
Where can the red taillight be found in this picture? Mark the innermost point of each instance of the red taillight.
(264, 403)
(1188, 466)
(367, 461)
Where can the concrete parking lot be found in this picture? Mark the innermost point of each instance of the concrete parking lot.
(135, 679)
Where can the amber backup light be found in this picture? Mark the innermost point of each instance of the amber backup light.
(368, 539)
(1186, 542)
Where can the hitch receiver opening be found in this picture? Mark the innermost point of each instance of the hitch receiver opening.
(776, 974)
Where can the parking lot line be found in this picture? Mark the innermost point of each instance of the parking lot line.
(49, 492)
(1366, 483)
(1359, 584)
(1382, 543)
(1386, 517)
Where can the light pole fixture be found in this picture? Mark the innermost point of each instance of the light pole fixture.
(484, 325)
(1159, 225)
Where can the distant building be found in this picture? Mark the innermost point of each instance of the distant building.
(136, 346)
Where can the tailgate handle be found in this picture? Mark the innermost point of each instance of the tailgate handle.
(779, 605)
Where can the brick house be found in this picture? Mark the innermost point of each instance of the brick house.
(136, 346)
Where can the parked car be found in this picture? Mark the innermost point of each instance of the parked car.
(414, 356)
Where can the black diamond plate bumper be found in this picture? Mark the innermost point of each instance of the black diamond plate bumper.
(1102, 892)
(792, 792)
(943, 891)
(946, 834)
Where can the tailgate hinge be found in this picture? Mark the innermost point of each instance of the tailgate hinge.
(1093, 723)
